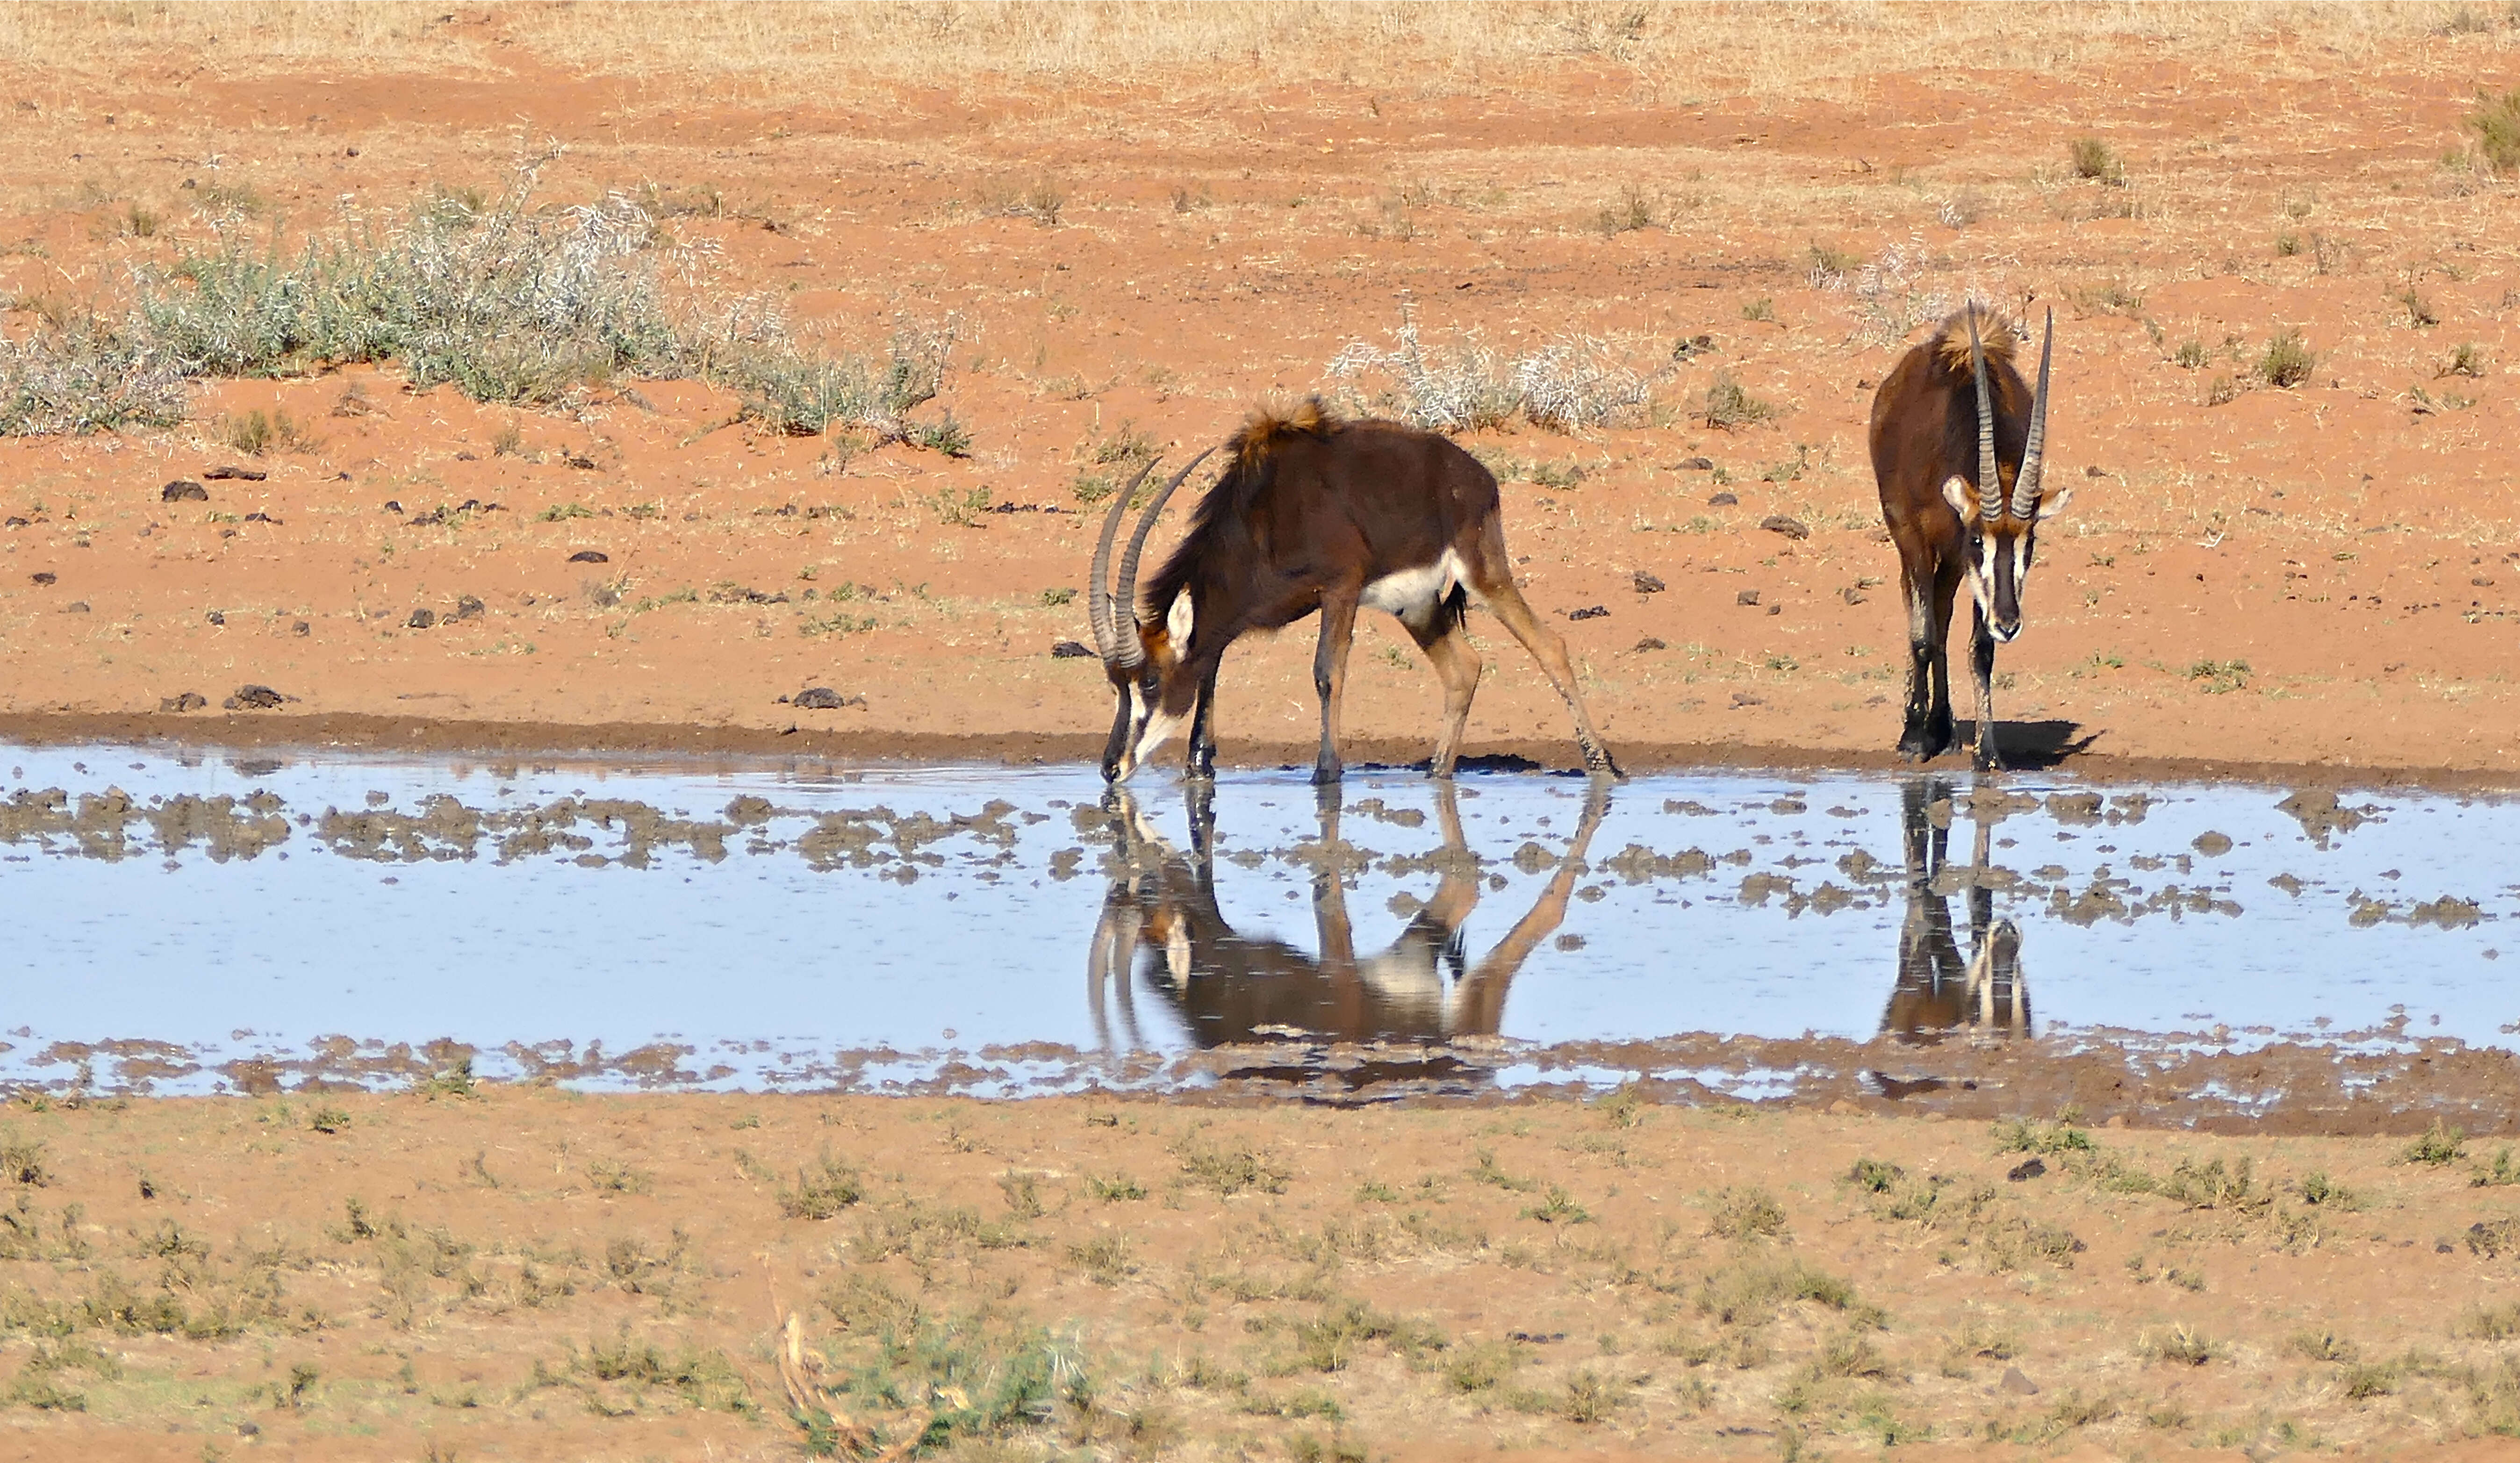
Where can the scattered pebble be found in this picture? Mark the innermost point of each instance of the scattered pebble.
(1650, 643)
(1649, 584)
(254, 698)
(1723, 499)
(1590, 612)
(1071, 650)
(823, 698)
(46, 576)
(183, 490)
(230, 470)
(2211, 844)
(190, 700)
(1791, 528)
(2017, 1383)
(422, 619)
(1746, 596)
(590, 557)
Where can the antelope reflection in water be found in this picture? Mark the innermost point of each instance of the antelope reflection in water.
(1229, 988)
(1939, 992)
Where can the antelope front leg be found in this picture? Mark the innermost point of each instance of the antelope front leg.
(1330, 679)
(1202, 732)
(1982, 671)
(1916, 739)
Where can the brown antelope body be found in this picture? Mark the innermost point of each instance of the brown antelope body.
(1316, 514)
(1958, 440)
(1232, 989)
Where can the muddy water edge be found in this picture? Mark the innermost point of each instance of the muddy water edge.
(2214, 956)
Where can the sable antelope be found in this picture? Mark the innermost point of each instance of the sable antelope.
(1939, 990)
(1232, 989)
(1958, 444)
(1315, 514)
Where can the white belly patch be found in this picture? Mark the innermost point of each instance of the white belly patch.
(1410, 592)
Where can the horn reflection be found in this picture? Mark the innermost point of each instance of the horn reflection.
(1161, 927)
(1941, 992)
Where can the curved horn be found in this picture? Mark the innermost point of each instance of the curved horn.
(2025, 483)
(1990, 502)
(1124, 601)
(1098, 594)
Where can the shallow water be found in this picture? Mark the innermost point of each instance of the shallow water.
(191, 923)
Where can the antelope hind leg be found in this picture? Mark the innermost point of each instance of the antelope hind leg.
(1505, 601)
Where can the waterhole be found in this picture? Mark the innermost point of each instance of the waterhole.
(206, 922)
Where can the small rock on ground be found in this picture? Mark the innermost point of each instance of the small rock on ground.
(254, 698)
(1792, 529)
(183, 490)
(190, 700)
(1071, 650)
(824, 698)
(1649, 584)
(590, 557)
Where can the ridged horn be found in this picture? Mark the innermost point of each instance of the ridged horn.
(1097, 595)
(2025, 483)
(1124, 603)
(1989, 500)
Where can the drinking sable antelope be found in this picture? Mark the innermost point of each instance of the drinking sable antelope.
(1956, 444)
(1315, 514)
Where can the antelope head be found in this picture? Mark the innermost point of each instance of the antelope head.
(1139, 659)
(2002, 510)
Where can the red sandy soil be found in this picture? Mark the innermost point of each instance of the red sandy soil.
(1219, 237)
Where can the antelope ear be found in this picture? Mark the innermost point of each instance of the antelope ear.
(2054, 502)
(1961, 495)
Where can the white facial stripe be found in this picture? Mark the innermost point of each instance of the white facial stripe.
(1158, 729)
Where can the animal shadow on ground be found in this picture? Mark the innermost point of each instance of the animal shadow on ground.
(2036, 746)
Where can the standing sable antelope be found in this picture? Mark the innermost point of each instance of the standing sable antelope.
(1958, 441)
(1315, 514)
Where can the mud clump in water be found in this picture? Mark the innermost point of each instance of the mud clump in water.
(2322, 815)
(99, 826)
(2074, 810)
(2448, 912)
(1639, 865)
(2211, 844)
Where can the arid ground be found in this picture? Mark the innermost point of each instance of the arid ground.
(997, 257)
(1136, 225)
(526, 1273)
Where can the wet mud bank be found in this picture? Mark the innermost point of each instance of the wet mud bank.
(734, 746)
